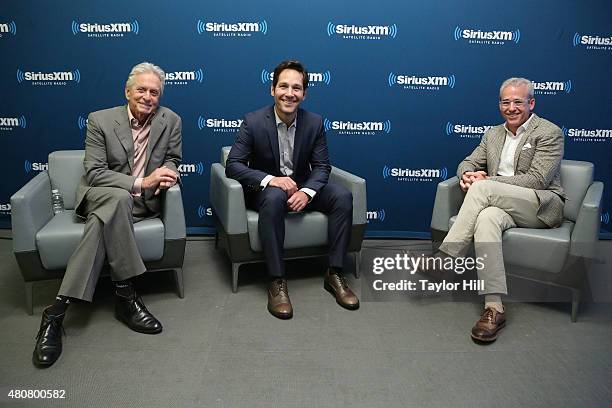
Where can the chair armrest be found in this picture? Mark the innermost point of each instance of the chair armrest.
(447, 203)
(227, 201)
(30, 211)
(586, 230)
(173, 214)
(357, 187)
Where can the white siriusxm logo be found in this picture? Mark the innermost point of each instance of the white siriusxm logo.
(413, 82)
(552, 88)
(49, 78)
(587, 135)
(313, 77)
(237, 29)
(219, 124)
(404, 174)
(352, 128)
(376, 215)
(11, 123)
(592, 42)
(496, 37)
(363, 32)
(5, 208)
(8, 28)
(184, 77)
(466, 131)
(105, 29)
(34, 166)
(191, 168)
(203, 211)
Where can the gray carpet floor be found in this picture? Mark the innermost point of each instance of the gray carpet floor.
(220, 349)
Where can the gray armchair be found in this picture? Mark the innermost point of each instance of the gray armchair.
(305, 232)
(43, 242)
(556, 256)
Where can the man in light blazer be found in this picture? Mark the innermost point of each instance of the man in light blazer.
(132, 153)
(280, 157)
(512, 179)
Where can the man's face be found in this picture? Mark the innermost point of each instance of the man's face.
(143, 96)
(515, 106)
(288, 93)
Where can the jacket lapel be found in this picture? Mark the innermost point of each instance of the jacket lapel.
(533, 124)
(273, 138)
(497, 145)
(298, 140)
(124, 134)
(158, 125)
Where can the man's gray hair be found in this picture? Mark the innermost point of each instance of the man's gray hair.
(518, 82)
(145, 68)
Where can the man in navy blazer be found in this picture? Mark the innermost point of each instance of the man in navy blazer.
(280, 157)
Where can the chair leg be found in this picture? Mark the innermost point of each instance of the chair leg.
(357, 263)
(178, 278)
(235, 267)
(29, 297)
(575, 304)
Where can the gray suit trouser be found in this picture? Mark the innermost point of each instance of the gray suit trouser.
(490, 208)
(109, 234)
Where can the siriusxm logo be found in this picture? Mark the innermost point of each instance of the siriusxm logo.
(219, 125)
(105, 30)
(49, 78)
(429, 83)
(204, 211)
(8, 124)
(366, 32)
(357, 128)
(82, 122)
(191, 168)
(414, 174)
(592, 42)
(184, 77)
(314, 78)
(587, 135)
(242, 29)
(5, 209)
(552, 88)
(8, 28)
(486, 37)
(30, 166)
(466, 131)
(376, 215)
(605, 217)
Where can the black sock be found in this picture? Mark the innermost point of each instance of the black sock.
(124, 288)
(60, 306)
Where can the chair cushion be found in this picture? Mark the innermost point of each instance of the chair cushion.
(303, 229)
(58, 239)
(576, 177)
(542, 249)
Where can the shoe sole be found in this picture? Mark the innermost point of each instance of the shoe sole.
(489, 339)
(136, 329)
(281, 316)
(328, 288)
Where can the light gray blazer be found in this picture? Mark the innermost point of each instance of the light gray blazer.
(537, 162)
(109, 151)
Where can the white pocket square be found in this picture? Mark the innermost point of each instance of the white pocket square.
(526, 146)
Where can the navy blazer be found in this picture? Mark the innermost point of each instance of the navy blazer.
(255, 153)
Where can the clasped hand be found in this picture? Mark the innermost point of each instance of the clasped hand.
(470, 177)
(297, 199)
(161, 179)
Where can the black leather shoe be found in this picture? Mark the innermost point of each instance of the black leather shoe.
(48, 340)
(132, 312)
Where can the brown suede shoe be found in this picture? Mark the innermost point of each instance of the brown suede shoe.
(336, 285)
(279, 304)
(486, 328)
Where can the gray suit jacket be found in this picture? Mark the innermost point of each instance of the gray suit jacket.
(109, 151)
(537, 162)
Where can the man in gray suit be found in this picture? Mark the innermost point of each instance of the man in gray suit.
(512, 179)
(132, 153)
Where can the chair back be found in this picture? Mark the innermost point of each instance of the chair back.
(65, 171)
(576, 177)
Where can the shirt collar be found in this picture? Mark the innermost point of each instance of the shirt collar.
(134, 122)
(520, 129)
(279, 121)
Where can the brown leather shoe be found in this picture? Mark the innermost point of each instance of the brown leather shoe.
(336, 284)
(491, 321)
(279, 304)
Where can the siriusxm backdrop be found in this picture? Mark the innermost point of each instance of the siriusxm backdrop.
(407, 88)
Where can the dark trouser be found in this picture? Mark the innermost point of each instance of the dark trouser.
(271, 203)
